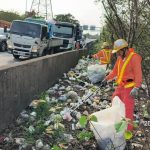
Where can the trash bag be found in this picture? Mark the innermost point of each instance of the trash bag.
(104, 129)
(96, 72)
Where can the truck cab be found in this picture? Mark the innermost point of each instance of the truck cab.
(30, 39)
(65, 31)
(26, 39)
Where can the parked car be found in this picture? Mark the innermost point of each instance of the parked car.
(3, 39)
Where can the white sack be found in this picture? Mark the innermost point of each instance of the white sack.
(105, 126)
(96, 72)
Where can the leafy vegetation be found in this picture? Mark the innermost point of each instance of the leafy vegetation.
(128, 135)
(42, 109)
(93, 118)
(120, 126)
(10, 16)
(66, 18)
(129, 20)
(83, 121)
(55, 147)
(85, 135)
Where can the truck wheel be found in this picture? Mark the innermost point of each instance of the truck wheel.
(3, 46)
(52, 51)
(16, 56)
(44, 53)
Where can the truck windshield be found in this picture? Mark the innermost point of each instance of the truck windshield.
(62, 31)
(26, 29)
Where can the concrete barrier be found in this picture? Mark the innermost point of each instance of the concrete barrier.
(21, 83)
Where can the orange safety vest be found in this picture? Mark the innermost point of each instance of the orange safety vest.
(104, 56)
(122, 70)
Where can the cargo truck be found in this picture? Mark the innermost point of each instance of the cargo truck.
(65, 31)
(68, 32)
(30, 38)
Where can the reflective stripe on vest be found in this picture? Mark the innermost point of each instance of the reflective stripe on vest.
(106, 53)
(128, 85)
(104, 62)
(121, 72)
(118, 68)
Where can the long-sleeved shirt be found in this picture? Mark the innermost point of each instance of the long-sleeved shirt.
(104, 56)
(133, 70)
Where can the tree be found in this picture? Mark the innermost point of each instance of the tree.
(66, 18)
(129, 19)
(30, 14)
(10, 16)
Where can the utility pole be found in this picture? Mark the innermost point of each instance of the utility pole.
(51, 8)
(26, 6)
(42, 8)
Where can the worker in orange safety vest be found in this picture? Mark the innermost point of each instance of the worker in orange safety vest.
(128, 73)
(104, 55)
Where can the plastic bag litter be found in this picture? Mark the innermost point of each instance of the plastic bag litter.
(104, 128)
(96, 72)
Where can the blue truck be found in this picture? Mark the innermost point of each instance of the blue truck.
(65, 31)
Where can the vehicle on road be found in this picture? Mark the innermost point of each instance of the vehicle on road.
(30, 38)
(64, 31)
(3, 39)
(70, 33)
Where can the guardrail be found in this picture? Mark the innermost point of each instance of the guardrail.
(21, 83)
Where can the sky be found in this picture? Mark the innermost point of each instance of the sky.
(86, 11)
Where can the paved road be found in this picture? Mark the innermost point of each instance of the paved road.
(89, 40)
(6, 59)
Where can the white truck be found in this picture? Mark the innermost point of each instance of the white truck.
(31, 39)
(3, 39)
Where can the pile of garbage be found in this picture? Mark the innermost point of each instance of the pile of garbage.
(58, 119)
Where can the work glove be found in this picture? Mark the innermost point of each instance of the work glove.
(134, 92)
(103, 83)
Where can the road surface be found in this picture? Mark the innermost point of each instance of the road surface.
(6, 59)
